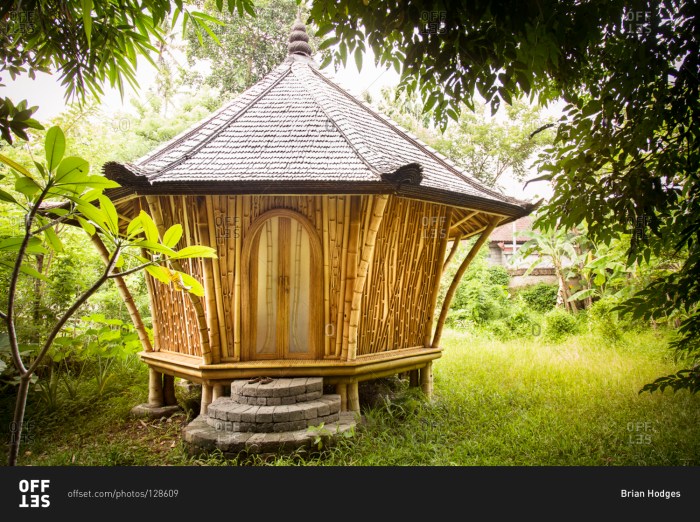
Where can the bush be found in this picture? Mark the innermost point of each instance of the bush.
(558, 324)
(541, 297)
(498, 275)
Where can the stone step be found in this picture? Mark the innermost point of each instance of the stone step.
(284, 391)
(225, 414)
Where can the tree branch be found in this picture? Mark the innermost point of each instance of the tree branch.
(77, 304)
(130, 271)
(51, 224)
(12, 289)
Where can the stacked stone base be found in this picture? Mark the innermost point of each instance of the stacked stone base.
(279, 416)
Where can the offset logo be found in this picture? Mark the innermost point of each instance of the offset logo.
(34, 493)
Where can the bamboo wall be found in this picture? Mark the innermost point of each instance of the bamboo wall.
(406, 266)
(395, 302)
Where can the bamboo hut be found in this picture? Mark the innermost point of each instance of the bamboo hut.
(332, 227)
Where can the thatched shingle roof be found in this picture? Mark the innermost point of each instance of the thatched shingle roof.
(297, 131)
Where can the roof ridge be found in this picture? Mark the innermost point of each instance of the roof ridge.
(335, 124)
(215, 134)
(440, 158)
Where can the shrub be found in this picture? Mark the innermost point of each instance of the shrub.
(541, 297)
(558, 324)
(498, 275)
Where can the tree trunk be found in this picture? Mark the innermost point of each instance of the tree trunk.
(18, 419)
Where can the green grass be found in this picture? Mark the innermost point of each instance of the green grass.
(521, 403)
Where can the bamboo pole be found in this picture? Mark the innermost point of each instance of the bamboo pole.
(169, 390)
(326, 277)
(218, 294)
(353, 396)
(217, 391)
(125, 295)
(373, 224)
(458, 277)
(154, 207)
(436, 285)
(150, 287)
(342, 389)
(345, 239)
(208, 279)
(464, 219)
(351, 269)
(238, 230)
(453, 251)
(155, 389)
(207, 393)
(426, 379)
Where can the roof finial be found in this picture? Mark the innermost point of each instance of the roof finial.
(298, 39)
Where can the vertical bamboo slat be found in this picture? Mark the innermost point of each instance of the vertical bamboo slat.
(373, 223)
(208, 277)
(237, 280)
(218, 294)
(326, 278)
(351, 269)
(344, 210)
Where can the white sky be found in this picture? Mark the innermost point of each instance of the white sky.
(46, 92)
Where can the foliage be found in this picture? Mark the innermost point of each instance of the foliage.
(247, 48)
(559, 324)
(485, 146)
(61, 188)
(89, 44)
(625, 155)
(541, 297)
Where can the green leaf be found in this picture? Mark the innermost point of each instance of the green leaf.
(28, 270)
(149, 227)
(154, 247)
(195, 251)
(111, 214)
(161, 273)
(55, 146)
(27, 186)
(53, 240)
(87, 226)
(5, 196)
(16, 166)
(358, 59)
(172, 236)
(93, 213)
(328, 42)
(189, 284)
(72, 170)
(87, 19)
(12, 244)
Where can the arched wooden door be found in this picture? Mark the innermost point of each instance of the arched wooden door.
(282, 288)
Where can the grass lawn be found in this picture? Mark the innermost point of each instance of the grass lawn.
(522, 403)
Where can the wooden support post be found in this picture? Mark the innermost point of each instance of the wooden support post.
(458, 277)
(169, 390)
(353, 397)
(342, 389)
(125, 295)
(455, 245)
(155, 389)
(206, 398)
(426, 379)
(414, 378)
(442, 247)
(218, 391)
